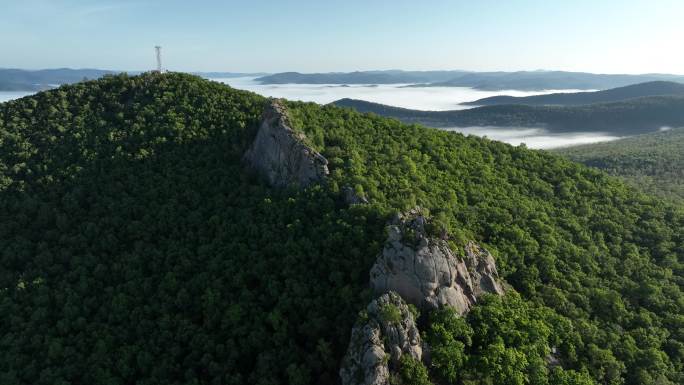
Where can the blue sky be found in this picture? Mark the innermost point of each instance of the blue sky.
(609, 36)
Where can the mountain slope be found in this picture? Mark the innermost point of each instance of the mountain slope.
(628, 117)
(652, 162)
(135, 247)
(657, 88)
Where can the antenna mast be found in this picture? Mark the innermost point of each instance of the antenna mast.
(157, 49)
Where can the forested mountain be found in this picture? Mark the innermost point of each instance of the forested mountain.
(657, 88)
(28, 80)
(137, 247)
(641, 115)
(652, 162)
(492, 81)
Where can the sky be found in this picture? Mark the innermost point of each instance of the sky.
(602, 36)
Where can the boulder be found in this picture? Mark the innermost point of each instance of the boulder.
(425, 272)
(281, 155)
(378, 340)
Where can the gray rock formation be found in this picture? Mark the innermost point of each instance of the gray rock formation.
(425, 272)
(553, 358)
(351, 197)
(281, 155)
(378, 341)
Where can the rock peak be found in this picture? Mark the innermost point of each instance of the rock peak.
(280, 154)
(426, 272)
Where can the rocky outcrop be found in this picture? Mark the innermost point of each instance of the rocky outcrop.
(378, 340)
(351, 197)
(281, 155)
(424, 271)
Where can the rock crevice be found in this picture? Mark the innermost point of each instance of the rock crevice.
(281, 155)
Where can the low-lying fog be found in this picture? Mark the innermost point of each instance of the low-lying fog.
(425, 98)
(418, 98)
(11, 95)
(535, 137)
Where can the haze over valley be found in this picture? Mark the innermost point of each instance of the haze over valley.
(414, 96)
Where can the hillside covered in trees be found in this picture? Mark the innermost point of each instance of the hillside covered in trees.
(629, 117)
(656, 88)
(651, 162)
(136, 247)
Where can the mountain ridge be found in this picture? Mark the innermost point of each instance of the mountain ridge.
(136, 246)
(655, 88)
(490, 81)
(629, 117)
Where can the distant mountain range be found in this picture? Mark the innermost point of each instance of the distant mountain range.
(211, 75)
(12, 79)
(361, 77)
(29, 80)
(654, 88)
(627, 117)
(26, 80)
(492, 81)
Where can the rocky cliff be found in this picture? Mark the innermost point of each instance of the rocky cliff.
(424, 271)
(378, 340)
(281, 155)
(419, 268)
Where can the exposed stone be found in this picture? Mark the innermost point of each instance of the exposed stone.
(351, 197)
(553, 358)
(280, 154)
(378, 341)
(424, 271)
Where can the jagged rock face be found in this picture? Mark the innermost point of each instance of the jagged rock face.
(425, 272)
(279, 153)
(379, 340)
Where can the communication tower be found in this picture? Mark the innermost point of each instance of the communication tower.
(157, 50)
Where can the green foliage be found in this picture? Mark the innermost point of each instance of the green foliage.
(448, 336)
(411, 372)
(390, 313)
(503, 340)
(653, 163)
(135, 248)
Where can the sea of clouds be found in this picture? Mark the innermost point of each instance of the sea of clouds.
(419, 98)
(535, 137)
(428, 99)
(398, 95)
(11, 95)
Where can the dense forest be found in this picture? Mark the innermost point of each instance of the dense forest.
(656, 88)
(651, 162)
(136, 248)
(629, 117)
